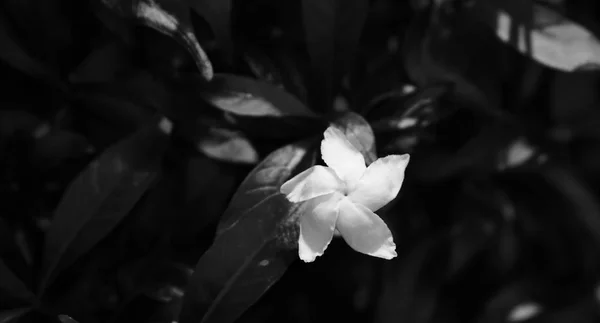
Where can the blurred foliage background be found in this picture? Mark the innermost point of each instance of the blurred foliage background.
(104, 215)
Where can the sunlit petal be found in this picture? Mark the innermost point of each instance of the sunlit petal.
(381, 182)
(364, 230)
(339, 154)
(313, 182)
(317, 224)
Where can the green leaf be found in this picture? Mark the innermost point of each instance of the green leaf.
(12, 315)
(169, 17)
(252, 250)
(552, 39)
(248, 97)
(12, 286)
(333, 29)
(101, 196)
(359, 133)
(218, 14)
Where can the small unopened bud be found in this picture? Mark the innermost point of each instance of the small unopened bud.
(166, 126)
(41, 131)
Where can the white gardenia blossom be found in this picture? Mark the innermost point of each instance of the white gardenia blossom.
(343, 197)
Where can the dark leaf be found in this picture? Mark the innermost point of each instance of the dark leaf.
(248, 97)
(98, 199)
(359, 133)
(333, 29)
(13, 315)
(45, 27)
(14, 55)
(146, 88)
(15, 120)
(150, 276)
(262, 67)
(492, 149)
(469, 239)
(551, 39)
(57, 146)
(250, 252)
(281, 67)
(105, 12)
(102, 64)
(209, 186)
(455, 51)
(386, 76)
(507, 250)
(181, 99)
(582, 311)
(293, 68)
(411, 102)
(585, 205)
(197, 190)
(506, 299)
(581, 115)
(66, 319)
(403, 298)
(193, 114)
(279, 130)
(229, 146)
(151, 222)
(410, 115)
(11, 285)
(169, 17)
(218, 14)
(114, 107)
(129, 102)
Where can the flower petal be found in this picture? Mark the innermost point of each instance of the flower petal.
(365, 231)
(317, 224)
(313, 182)
(339, 154)
(381, 182)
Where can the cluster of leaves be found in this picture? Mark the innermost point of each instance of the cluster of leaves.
(143, 143)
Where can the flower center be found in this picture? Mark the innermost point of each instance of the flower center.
(348, 187)
(345, 190)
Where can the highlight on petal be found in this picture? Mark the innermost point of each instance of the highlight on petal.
(339, 154)
(313, 182)
(381, 182)
(317, 224)
(364, 230)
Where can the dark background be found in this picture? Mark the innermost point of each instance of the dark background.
(500, 207)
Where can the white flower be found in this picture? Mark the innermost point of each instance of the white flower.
(344, 196)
